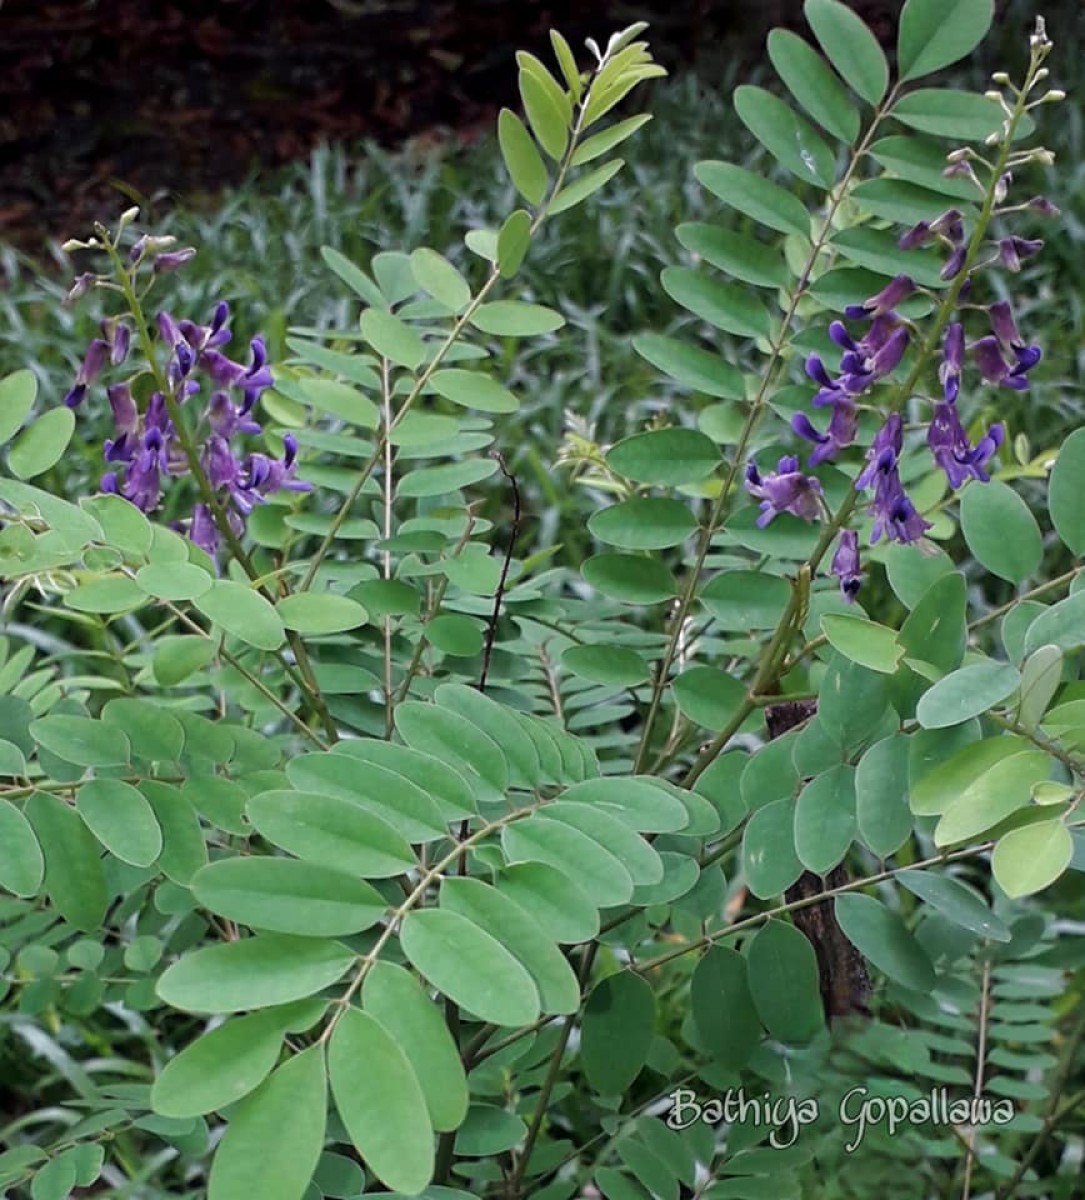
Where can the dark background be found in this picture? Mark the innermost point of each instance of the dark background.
(104, 103)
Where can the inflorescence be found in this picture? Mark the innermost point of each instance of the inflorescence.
(147, 446)
(1001, 356)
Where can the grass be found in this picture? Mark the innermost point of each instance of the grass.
(260, 249)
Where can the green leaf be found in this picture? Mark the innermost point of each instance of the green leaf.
(643, 523)
(332, 397)
(609, 830)
(505, 921)
(501, 725)
(898, 200)
(947, 113)
(331, 830)
(522, 160)
(922, 162)
(756, 197)
(881, 796)
(932, 36)
(782, 971)
(55, 1180)
(22, 865)
(74, 879)
(440, 279)
(1001, 531)
(603, 877)
(121, 819)
(219, 1068)
(769, 860)
(513, 242)
(850, 46)
(722, 1007)
(452, 633)
(630, 578)
(243, 612)
(999, 792)
(1041, 677)
(813, 85)
(878, 251)
(1061, 625)
(911, 572)
(940, 786)
(601, 143)
(544, 115)
(516, 318)
(179, 656)
(154, 734)
(665, 456)
(881, 937)
(1027, 860)
(787, 137)
(825, 819)
(42, 444)
(352, 276)
(447, 478)
(255, 972)
(108, 594)
(744, 600)
(616, 1032)
(18, 391)
(956, 902)
(381, 1102)
(736, 253)
(852, 703)
(691, 366)
(393, 996)
(567, 62)
(396, 800)
(605, 663)
(454, 739)
(558, 904)
(644, 804)
(725, 306)
(967, 693)
(285, 895)
(470, 967)
(1066, 493)
(584, 186)
(862, 641)
(392, 338)
(473, 389)
(708, 696)
(310, 613)
(173, 580)
(275, 1135)
(184, 850)
(81, 740)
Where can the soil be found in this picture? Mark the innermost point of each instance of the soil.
(107, 103)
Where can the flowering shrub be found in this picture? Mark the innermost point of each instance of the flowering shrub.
(617, 877)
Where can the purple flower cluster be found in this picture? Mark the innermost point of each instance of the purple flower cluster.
(147, 448)
(1001, 357)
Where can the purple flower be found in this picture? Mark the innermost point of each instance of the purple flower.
(954, 264)
(949, 373)
(893, 513)
(172, 260)
(884, 453)
(1012, 250)
(786, 489)
(1043, 206)
(841, 431)
(952, 450)
(202, 530)
(885, 301)
(91, 367)
(845, 565)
